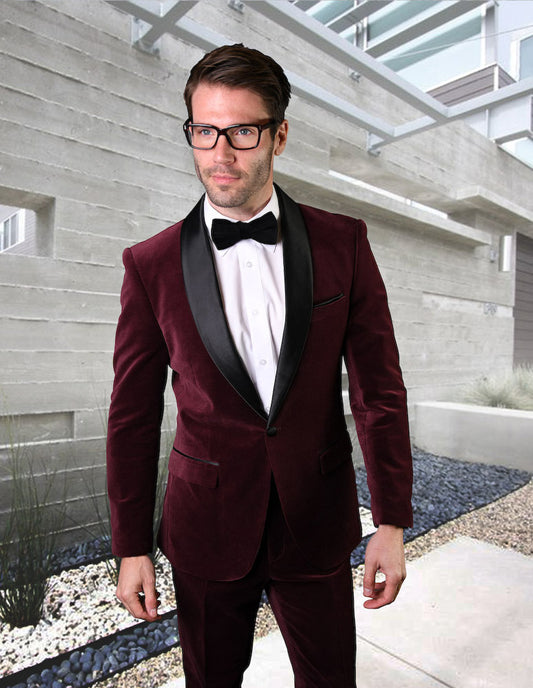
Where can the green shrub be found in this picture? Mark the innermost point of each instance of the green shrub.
(102, 529)
(29, 538)
(100, 503)
(524, 381)
(512, 390)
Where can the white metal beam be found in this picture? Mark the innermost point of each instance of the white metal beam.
(427, 21)
(491, 99)
(322, 38)
(325, 99)
(511, 121)
(492, 102)
(167, 21)
(356, 14)
(190, 31)
(505, 122)
(140, 10)
(306, 4)
(154, 24)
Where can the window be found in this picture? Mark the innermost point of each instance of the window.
(26, 223)
(328, 11)
(526, 57)
(440, 55)
(12, 230)
(395, 14)
(521, 52)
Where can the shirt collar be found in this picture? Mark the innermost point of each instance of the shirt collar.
(211, 214)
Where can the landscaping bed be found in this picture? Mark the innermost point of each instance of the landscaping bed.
(86, 636)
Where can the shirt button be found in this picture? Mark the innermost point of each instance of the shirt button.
(262, 362)
(249, 264)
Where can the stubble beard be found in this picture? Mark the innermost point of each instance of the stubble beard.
(254, 180)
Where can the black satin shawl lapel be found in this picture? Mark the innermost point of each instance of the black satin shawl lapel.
(298, 270)
(204, 298)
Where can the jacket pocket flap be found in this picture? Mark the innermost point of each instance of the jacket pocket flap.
(335, 455)
(195, 471)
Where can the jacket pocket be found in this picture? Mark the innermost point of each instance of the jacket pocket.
(328, 308)
(327, 302)
(335, 455)
(191, 470)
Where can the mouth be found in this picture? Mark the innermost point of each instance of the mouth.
(221, 177)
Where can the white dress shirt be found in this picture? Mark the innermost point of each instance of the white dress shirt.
(252, 286)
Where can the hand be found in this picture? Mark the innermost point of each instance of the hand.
(384, 553)
(136, 587)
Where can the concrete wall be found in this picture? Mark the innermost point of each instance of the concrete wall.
(90, 138)
(479, 434)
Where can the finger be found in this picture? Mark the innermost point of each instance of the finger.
(369, 580)
(151, 602)
(377, 590)
(379, 587)
(149, 593)
(134, 603)
(386, 593)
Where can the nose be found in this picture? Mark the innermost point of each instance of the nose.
(223, 151)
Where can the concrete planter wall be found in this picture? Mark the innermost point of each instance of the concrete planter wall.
(475, 433)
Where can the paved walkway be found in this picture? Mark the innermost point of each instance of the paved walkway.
(464, 619)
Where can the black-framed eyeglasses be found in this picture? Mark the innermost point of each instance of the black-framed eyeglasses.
(239, 136)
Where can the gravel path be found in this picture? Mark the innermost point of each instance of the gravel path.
(92, 611)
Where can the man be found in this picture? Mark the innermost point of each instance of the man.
(261, 491)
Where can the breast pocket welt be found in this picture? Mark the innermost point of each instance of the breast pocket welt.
(328, 306)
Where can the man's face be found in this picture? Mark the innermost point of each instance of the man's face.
(237, 182)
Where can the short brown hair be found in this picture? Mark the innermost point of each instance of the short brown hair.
(238, 67)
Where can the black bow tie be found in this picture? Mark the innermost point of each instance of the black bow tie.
(226, 233)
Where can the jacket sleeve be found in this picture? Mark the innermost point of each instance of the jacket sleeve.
(378, 397)
(134, 425)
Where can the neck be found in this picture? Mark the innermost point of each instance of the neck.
(241, 213)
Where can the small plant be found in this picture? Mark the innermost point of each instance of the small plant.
(101, 528)
(29, 538)
(102, 513)
(524, 381)
(513, 390)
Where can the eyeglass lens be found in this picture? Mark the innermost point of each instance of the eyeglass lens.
(240, 137)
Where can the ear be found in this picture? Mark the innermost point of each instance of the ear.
(280, 139)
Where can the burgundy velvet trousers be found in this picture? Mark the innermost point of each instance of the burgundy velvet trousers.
(314, 611)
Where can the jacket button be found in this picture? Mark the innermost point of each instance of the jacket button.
(271, 432)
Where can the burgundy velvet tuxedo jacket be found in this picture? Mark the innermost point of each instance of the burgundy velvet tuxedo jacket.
(227, 449)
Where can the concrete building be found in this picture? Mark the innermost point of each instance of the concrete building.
(91, 144)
